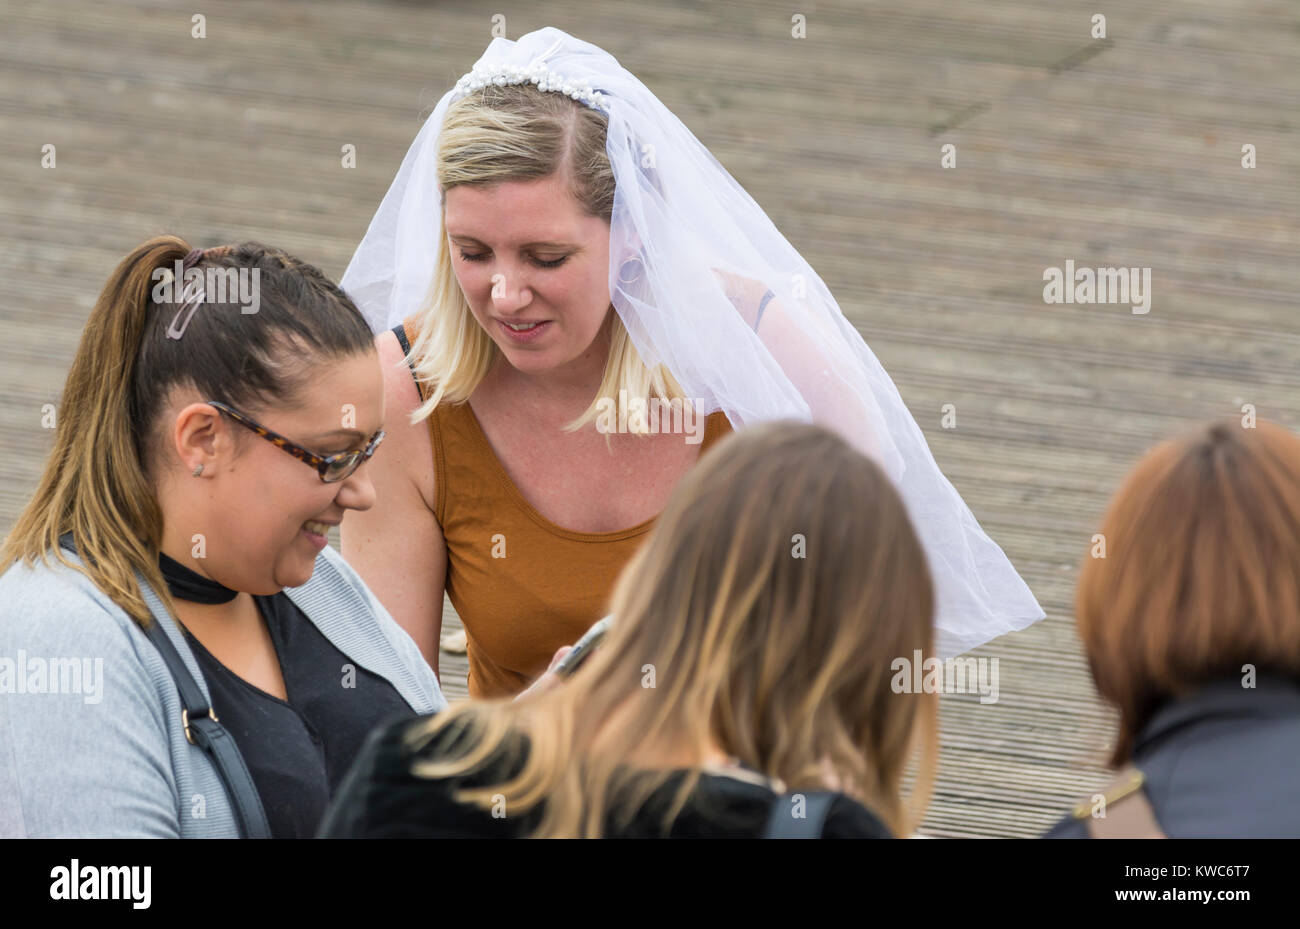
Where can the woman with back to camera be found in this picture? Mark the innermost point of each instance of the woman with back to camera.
(201, 454)
(1191, 625)
(751, 657)
(556, 249)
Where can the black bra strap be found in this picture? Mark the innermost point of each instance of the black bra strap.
(400, 331)
(204, 730)
(762, 305)
(782, 825)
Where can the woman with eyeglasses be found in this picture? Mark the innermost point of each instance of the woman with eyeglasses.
(208, 438)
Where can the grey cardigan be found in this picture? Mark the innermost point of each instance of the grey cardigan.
(91, 740)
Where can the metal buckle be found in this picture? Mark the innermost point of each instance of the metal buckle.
(185, 721)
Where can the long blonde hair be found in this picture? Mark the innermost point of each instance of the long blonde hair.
(762, 615)
(100, 478)
(513, 133)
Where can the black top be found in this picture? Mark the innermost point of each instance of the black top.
(381, 798)
(297, 751)
(1220, 763)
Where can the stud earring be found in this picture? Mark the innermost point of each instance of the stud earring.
(198, 469)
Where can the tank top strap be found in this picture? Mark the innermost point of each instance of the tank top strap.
(716, 427)
(452, 428)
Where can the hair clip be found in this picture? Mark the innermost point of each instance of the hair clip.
(190, 298)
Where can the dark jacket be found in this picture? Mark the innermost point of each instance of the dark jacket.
(382, 797)
(1221, 763)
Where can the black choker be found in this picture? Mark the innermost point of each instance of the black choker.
(186, 584)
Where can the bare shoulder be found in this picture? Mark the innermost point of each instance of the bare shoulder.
(407, 446)
(395, 545)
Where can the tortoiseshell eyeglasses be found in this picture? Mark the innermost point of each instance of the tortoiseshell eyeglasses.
(331, 468)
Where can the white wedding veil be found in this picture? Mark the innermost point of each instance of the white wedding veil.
(692, 259)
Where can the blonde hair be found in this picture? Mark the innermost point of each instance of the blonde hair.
(100, 478)
(781, 658)
(513, 133)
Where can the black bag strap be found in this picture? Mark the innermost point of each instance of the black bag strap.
(203, 729)
(781, 824)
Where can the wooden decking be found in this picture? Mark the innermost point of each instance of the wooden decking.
(1124, 151)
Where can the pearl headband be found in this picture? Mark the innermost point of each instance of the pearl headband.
(536, 73)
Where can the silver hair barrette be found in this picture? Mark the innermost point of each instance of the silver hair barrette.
(190, 298)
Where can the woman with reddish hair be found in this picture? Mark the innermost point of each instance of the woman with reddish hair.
(1190, 618)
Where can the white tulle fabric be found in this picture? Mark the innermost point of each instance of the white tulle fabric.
(699, 254)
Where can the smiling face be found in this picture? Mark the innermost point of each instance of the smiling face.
(525, 253)
(252, 498)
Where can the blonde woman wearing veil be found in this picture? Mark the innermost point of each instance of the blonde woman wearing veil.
(558, 260)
